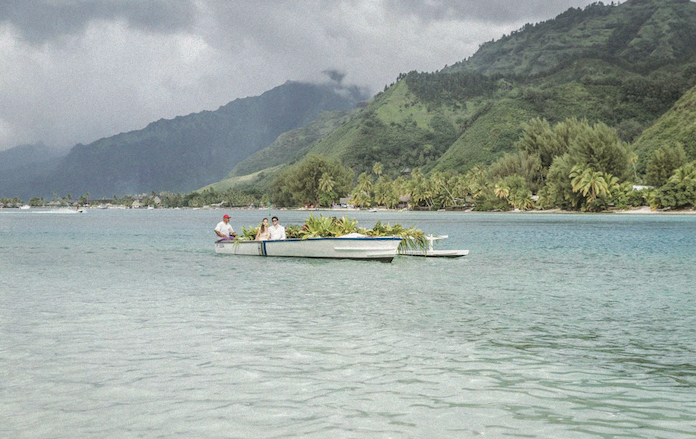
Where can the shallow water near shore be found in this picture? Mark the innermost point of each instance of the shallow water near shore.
(125, 323)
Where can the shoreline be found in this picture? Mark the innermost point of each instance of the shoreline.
(642, 210)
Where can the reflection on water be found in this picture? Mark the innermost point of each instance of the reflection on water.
(127, 324)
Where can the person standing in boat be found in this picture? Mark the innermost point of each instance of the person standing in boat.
(277, 231)
(264, 232)
(224, 229)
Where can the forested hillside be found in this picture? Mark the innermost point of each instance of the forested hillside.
(638, 35)
(293, 144)
(621, 65)
(676, 126)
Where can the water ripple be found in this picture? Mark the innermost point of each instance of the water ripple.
(538, 333)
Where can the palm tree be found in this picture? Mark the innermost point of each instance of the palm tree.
(360, 199)
(377, 169)
(586, 180)
(476, 180)
(364, 182)
(419, 188)
(521, 199)
(385, 193)
(444, 189)
(502, 190)
(683, 173)
(633, 159)
(613, 184)
(326, 185)
(362, 193)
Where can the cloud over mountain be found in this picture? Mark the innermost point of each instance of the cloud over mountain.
(75, 71)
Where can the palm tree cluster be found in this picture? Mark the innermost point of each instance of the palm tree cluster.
(572, 165)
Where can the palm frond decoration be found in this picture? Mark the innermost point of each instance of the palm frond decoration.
(329, 227)
(412, 238)
(319, 226)
(293, 231)
(417, 242)
(248, 234)
(346, 225)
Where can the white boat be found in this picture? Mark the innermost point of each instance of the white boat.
(353, 246)
(432, 253)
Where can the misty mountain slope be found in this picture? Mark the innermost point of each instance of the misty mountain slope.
(187, 152)
(23, 155)
(20, 165)
(293, 144)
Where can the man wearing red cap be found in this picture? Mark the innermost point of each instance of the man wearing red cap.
(224, 229)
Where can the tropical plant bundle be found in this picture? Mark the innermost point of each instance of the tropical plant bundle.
(249, 234)
(331, 227)
(412, 238)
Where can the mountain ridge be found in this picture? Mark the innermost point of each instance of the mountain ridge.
(625, 34)
(186, 152)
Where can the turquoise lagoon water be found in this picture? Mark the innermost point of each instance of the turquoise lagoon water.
(125, 324)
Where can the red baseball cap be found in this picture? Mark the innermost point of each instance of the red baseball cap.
(225, 216)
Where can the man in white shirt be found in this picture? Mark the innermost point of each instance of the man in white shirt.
(224, 229)
(277, 231)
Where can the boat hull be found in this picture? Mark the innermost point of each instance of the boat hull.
(367, 248)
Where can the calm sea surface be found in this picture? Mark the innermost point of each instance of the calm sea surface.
(126, 324)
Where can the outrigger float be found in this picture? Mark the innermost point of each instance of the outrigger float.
(432, 253)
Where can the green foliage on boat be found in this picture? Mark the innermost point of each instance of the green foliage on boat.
(330, 227)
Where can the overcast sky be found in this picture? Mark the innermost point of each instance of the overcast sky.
(73, 71)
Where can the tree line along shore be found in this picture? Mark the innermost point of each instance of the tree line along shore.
(570, 166)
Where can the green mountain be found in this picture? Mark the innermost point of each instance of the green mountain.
(258, 169)
(191, 151)
(638, 35)
(294, 144)
(678, 125)
(624, 65)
